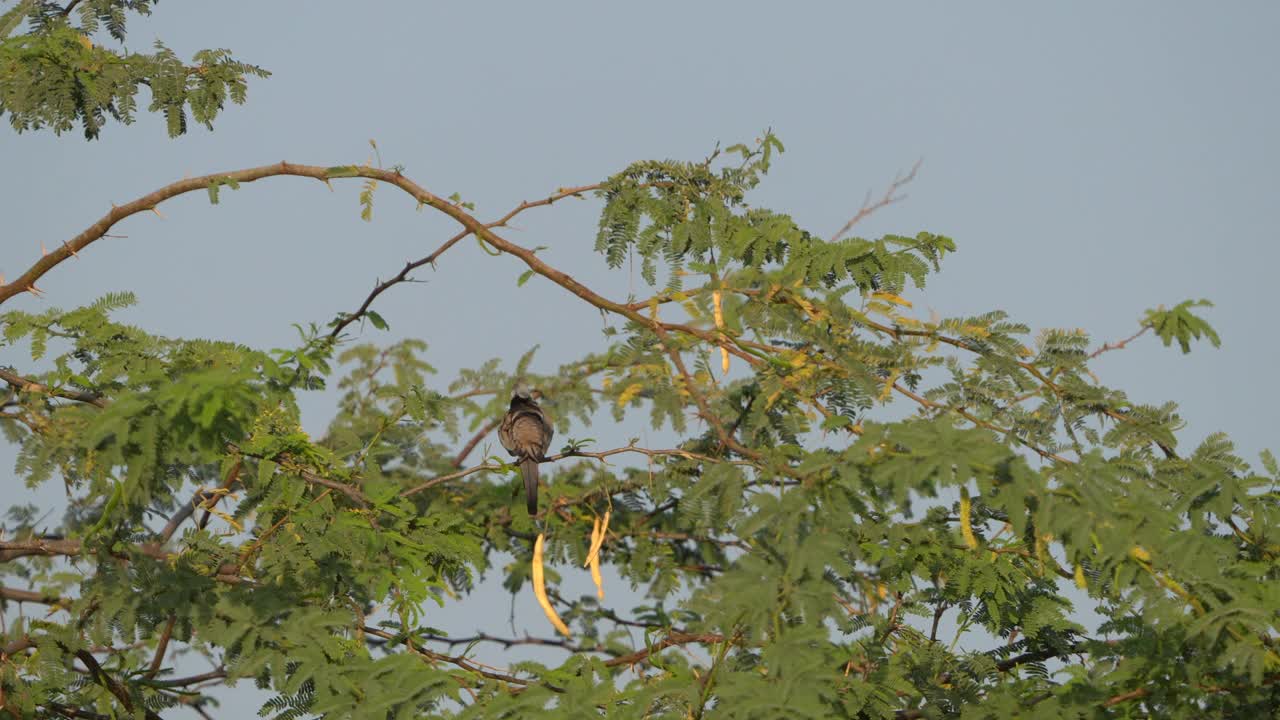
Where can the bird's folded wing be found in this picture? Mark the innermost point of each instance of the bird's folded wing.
(504, 434)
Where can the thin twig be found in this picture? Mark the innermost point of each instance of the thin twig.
(568, 454)
(890, 197)
(201, 496)
(460, 661)
(403, 275)
(111, 684)
(1107, 347)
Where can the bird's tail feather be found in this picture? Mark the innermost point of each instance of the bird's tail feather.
(529, 469)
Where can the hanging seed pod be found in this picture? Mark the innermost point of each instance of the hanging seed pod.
(717, 301)
(598, 530)
(540, 589)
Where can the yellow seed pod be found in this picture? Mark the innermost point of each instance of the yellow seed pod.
(540, 589)
(890, 297)
(595, 576)
(591, 549)
(717, 302)
(598, 530)
(966, 528)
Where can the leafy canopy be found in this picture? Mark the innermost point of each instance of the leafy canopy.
(56, 75)
(800, 552)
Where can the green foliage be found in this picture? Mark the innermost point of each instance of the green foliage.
(55, 75)
(803, 549)
(1180, 324)
(216, 184)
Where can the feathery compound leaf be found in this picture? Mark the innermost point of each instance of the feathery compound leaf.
(1179, 323)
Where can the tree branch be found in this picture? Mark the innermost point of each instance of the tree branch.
(672, 639)
(569, 454)
(16, 646)
(111, 684)
(16, 595)
(403, 275)
(201, 497)
(511, 642)
(1119, 344)
(27, 281)
(161, 647)
(925, 402)
(23, 384)
(218, 674)
(890, 197)
(460, 661)
(50, 547)
(13, 549)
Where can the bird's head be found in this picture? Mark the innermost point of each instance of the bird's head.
(522, 391)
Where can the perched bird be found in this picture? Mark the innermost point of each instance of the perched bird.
(526, 433)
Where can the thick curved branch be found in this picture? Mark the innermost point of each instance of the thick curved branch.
(16, 595)
(147, 203)
(26, 282)
(47, 547)
(23, 384)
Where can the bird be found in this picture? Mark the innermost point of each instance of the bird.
(525, 431)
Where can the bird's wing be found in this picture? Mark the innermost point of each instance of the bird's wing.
(504, 433)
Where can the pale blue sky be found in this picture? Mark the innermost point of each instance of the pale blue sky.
(1091, 160)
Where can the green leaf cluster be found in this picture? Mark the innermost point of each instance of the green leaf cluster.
(808, 547)
(56, 76)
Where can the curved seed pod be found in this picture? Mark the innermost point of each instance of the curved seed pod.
(598, 530)
(540, 589)
(966, 528)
